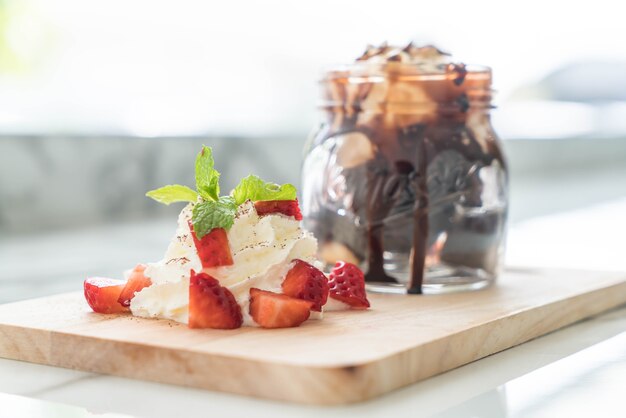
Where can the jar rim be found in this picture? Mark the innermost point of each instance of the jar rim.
(402, 86)
(407, 108)
(421, 72)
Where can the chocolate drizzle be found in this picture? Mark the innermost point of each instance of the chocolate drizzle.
(380, 202)
(460, 71)
(384, 188)
(420, 223)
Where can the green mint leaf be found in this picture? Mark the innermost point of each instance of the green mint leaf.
(255, 189)
(207, 177)
(173, 193)
(213, 214)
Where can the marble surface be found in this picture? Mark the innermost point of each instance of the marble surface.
(566, 373)
(14, 406)
(585, 384)
(62, 182)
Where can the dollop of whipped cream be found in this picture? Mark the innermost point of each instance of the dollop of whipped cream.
(262, 248)
(428, 57)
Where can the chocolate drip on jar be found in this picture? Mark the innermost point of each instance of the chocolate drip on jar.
(380, 201)
(420, 223)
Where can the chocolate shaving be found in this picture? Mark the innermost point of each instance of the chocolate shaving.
(460, 71)
(182, 260)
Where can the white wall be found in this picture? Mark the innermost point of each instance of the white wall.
(244, 67)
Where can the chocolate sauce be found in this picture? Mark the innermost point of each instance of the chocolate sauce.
(420, 224)
(460, 71)
(380, 201)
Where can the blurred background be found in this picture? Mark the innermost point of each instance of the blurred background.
(101, 101)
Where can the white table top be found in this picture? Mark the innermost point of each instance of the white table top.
(576, 371)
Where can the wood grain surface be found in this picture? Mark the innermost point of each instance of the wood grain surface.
(346, 357)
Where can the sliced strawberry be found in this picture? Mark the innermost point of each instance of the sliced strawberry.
(213, 248)
(347, 284)
(272, 310)
(136, 282)
(286, 207)
(211, 305)
(306, 282)
(102, 294)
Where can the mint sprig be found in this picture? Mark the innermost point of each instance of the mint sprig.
(207, 177)
(210, 210)
(213, 214)
(173, 193)
(255, 189)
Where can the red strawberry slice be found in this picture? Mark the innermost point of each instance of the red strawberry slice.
(272, 310)
(286, 207)
(211, 305)
(213, 248)
(347, 284)
(102, 294)
(306, 282)
(136, 282)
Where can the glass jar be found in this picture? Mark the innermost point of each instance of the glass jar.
(406, 177)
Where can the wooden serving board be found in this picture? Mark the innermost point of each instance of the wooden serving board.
(347, 357)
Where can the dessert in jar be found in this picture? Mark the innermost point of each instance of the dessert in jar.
(405, 175)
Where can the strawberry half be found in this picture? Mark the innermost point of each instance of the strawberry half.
(211, 305)
(136, 282)
(102, 294)
(347, 284)
(286, 207)
(306, 282)
(213, 248)
(272, 310)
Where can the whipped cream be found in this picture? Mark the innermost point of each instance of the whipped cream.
(168, 297)
(262, 248)
(335, 305)
(428, 58)
(404, 84)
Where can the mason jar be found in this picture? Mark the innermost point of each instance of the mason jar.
(406, 178)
